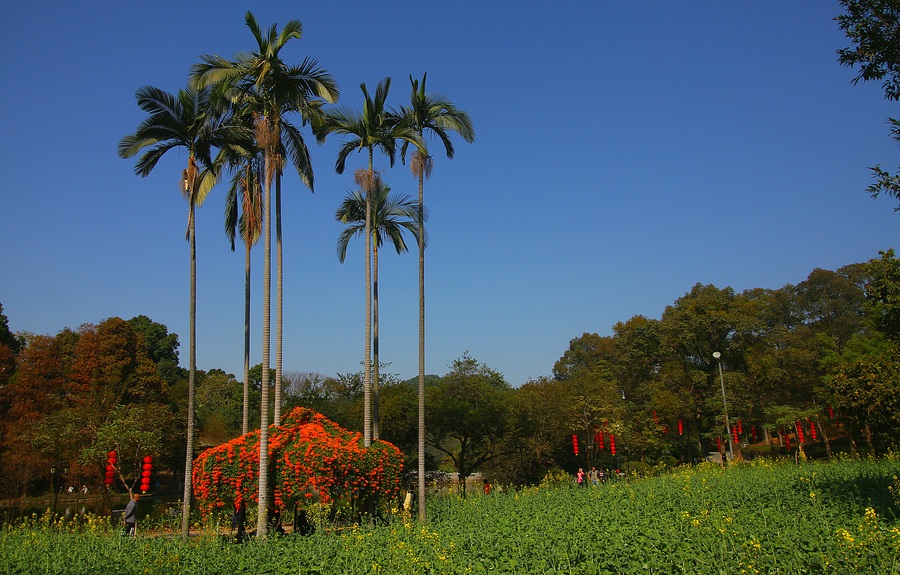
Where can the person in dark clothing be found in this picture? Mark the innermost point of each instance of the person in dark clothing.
(130, 515)
(239, 520)
(302, 524)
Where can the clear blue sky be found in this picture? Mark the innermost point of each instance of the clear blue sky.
(624, 152)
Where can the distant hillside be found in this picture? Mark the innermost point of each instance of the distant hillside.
(413, 382)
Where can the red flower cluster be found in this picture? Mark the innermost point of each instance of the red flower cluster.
(308, 454)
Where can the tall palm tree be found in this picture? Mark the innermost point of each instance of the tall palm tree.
(263, 84)
(390, 215)
(372, 128)
(183, 121)
(436, 115)
(245, 190)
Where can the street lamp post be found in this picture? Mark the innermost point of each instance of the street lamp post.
(718, 357)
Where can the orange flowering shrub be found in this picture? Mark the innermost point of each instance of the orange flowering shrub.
(308, 455)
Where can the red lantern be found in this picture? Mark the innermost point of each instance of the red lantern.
(680, 427)
(812, 430)
(799, 432)
(734, 432)
(666, 429)
(108, 480)
(787, 441)
(110, 473)
(753, 431)
(830, 412)
(612, 443)
(740, 427)
(718, 444)
(600, 440)
(575, 444)
(145, 474)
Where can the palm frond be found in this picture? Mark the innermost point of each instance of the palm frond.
(296, 151)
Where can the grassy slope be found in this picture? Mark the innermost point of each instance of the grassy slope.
(841, 517)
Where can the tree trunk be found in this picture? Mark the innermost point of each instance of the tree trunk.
(279, 297)
(824, 437)
(462, 470)
(245, 420)
(367, 375)
(375, 412)
(421, 462)
(770, 442)
(262, 513)
(192, 370)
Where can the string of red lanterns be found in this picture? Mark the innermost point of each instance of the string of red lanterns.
(145, 474)
(110, 469)
(732, 434)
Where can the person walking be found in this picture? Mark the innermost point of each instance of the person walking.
(592, 475)
(579, 477)
(130, 516)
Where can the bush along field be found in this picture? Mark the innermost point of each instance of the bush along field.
(755, 518)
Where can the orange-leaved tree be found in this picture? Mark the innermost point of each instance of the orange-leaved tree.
(310, 458)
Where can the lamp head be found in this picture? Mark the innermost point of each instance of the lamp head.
(717, 355)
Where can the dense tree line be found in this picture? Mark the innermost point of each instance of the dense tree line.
(812, 367)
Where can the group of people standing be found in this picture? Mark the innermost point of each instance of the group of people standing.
(594, 476)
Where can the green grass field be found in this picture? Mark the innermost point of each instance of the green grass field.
(766, 518)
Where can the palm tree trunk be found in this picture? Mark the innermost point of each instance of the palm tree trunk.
(421, 466)
(367, 376)
(245, 420)
(279, 296)
(375, 413)
(262, 515)
(192, 370)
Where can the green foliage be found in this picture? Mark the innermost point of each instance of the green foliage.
(158, 343)
(883, 293)
(867, 388)
(467, 414)
(842, 517)
(7, 338)
(873, 27)
(219, 406)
